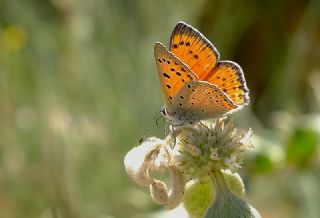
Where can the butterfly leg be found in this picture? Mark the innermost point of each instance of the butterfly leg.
(169, 129)
(202, 124)
(166, 129)
(174, 135)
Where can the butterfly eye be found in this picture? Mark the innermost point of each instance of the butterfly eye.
(163, 111)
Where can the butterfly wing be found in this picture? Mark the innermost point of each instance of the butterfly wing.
(173, 74)
(199, 100)
(197, 52)
(228, 76)
(193, 49)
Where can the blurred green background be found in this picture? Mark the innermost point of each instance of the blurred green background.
(78, 88)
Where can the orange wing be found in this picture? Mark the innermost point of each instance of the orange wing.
(197, 52)
(202, 100)
(228, 76)
(193, 49)
(173, 74)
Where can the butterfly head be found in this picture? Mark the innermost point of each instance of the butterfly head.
(179, 117)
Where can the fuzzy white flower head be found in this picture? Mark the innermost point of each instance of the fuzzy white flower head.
(207, 147)
(189, 152)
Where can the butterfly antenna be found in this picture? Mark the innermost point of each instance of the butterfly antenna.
(155, 119)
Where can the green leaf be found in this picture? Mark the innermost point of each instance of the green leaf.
(301, 147)
(198, 196)
(227, 204)
(262, 163)
(234, 182)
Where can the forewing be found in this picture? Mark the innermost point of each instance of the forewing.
(194, 49)
(173, 74)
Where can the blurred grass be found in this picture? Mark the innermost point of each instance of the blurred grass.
(78, 87)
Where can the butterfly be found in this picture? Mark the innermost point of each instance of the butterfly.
(196, 85)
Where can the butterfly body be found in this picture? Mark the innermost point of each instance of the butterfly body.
(195, 84)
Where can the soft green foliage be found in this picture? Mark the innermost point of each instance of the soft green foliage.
(78, 88)
(302, 147)
(227, 204)
(198, 196)
(234, 183)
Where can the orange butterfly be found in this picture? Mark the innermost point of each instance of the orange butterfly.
(195, 84)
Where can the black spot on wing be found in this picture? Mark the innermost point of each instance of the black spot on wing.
(166, 75)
